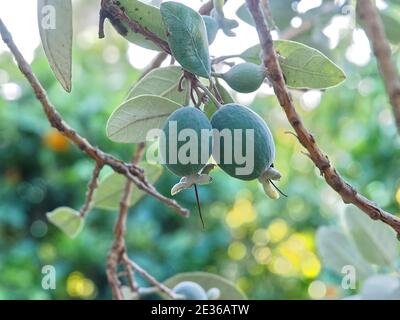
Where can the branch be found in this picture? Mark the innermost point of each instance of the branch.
(161, 287)
(307, 24)
(92, 185)
(132, 172)
(118, 248)
(157, 61)
(114, 13)
(369, 15)
(334, 180)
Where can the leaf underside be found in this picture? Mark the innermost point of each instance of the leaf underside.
(55, 28)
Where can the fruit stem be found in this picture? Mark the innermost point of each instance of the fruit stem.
(223, 58)
(198, 204)
(209, 94)
(216, 74)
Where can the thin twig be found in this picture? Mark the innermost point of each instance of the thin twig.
(345, 190)
(132, 172)
(114, 12)
(307, 24)
(372, 23)
(162, 288)
(157, 61)
(92, 185)
(118, 247)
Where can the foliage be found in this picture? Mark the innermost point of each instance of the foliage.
(265, 247)
(371, 251)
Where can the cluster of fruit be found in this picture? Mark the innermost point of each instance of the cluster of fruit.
(233, 119)
(188, 36)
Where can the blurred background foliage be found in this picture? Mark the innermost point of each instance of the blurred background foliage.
(266, 247)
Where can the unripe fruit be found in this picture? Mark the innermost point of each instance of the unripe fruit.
(213, 294)
(190, 291)
(211, 27)
(187, 157)
(232, 117)
(245, 77)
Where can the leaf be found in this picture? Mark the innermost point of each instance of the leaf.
(392, 26)
(187, 37)
(306, 67)
(302, 66)
(252, 54)
(281, 11)
(108, 194)
(244, 14)
(210, 108)
(208, 281)
(337, 251)
(375, 240)
(162, 82)
(55, 28)
(148, 16)
(131, 121)
(381, 287)
(67, 220)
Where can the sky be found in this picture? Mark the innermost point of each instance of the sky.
(25, 33)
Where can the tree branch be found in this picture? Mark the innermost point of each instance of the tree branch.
(118, 248)
(157, 61)
(161, 287)
(372, 23)
(334, 180)
(132, 172)
(92, 185)
(113, 12)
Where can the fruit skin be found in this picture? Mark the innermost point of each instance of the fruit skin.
(234, 116)
(190, 290)
(186, 118)
(211, 27)
(245, 77)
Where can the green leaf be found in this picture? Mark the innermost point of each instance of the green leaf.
(131, 121)
(281, 10)
(148, 16)
(67, 220)
(210, 108)
(55, 28)
(337, 251)
(252, 54)
(208, 280)
(162, 82)
(302, 66)
(392, 26)
(375, 240)
(244, 14)
(187, 37)
(108, 194)
(306, 67)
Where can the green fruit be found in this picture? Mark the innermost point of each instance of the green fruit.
(148, 16)
(232, 117)
(190, 291)
(245, 77)
(187, 157)
(211, 27)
